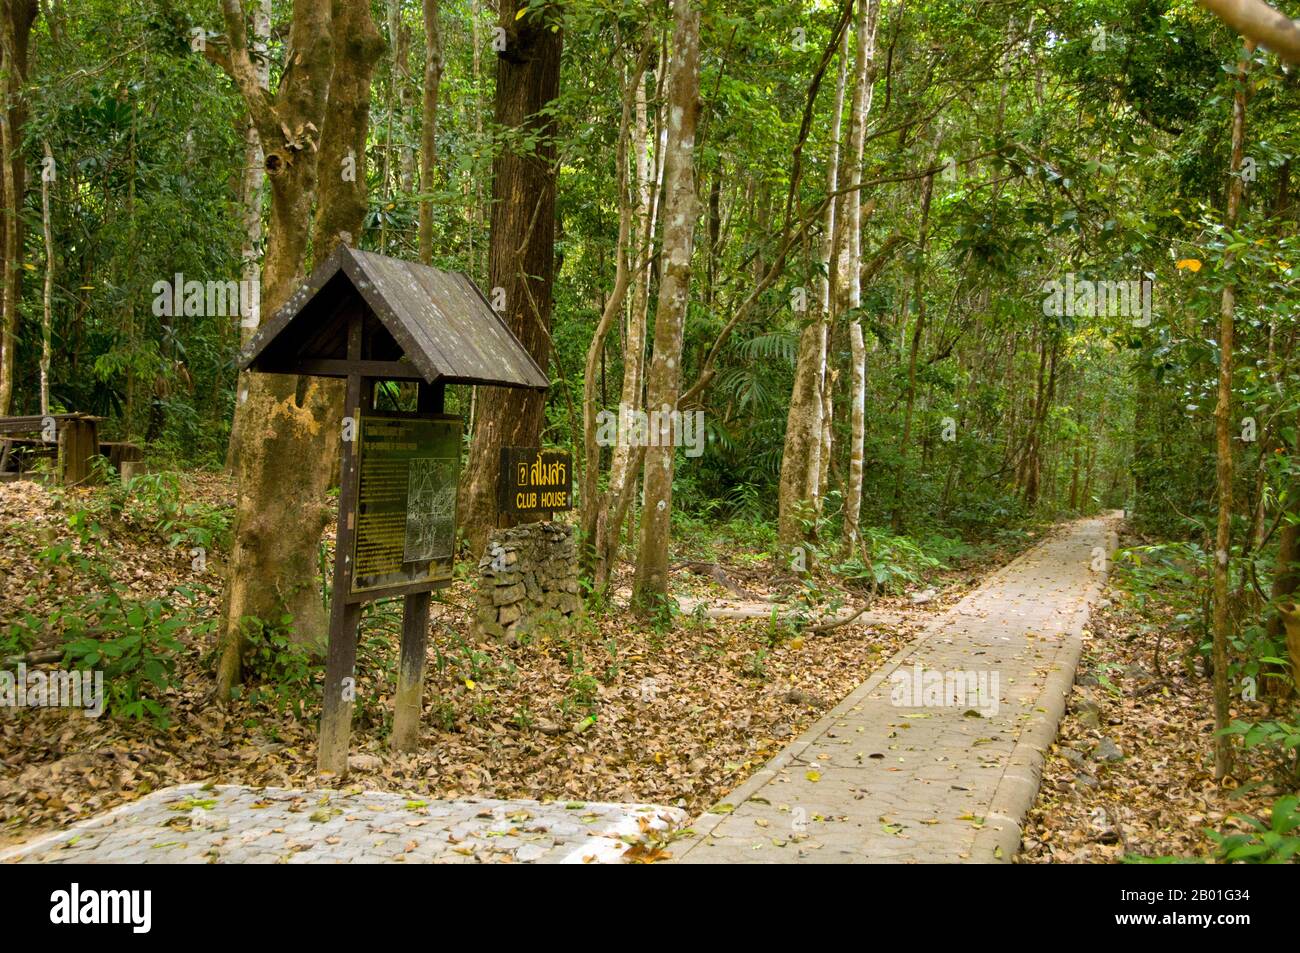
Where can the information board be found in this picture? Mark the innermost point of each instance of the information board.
(532, 480)
(408, 469)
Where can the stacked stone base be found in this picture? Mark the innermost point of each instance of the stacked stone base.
(528, 574)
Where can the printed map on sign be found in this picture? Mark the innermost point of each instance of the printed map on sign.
(430, 509)
(406, 501)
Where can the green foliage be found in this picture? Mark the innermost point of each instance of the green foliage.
(146, 146)
(278, 670)
(1159, 571)
(103, 627)
(612, 663)
(523, 718)
(663, 614)
(1272, 841)
(583, 693)
(134, 643)
(896, 561)
(551, 625)
(755, 665)
(1280, 738)
(20, 635)
(442, 713)
(153, 500)
(782, 627)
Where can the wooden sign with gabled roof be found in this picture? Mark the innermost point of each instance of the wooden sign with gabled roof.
(420, 323)
(369, 318)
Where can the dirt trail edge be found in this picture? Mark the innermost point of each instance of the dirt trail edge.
(937, 757)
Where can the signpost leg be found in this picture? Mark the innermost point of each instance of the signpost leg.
(345, 616)
(410, 677)
(415, 630)
(340, 686)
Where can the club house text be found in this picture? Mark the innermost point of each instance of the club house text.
(535, 477)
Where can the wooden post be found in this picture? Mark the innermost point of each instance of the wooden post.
(407, 704)
(78, 443)
(345, 616)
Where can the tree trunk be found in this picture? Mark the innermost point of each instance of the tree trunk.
(47, 313)
(1284, 622)
(1074, 474)
(806, 425)
(826, 385)
(849, 268)
(1032, 465)
(1286, 578)
(593, 501)
(16, 19)
(251, 188)
(522, 254)
(622, 474)
(1223, 444)
(429, 124)
(918, 331)
(291, 431)
(803, 434)
(651, 583)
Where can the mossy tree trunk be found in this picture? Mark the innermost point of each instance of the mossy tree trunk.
(313, 131)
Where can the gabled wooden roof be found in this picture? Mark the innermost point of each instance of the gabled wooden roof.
(435, 323)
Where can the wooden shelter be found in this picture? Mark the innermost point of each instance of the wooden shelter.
(369, 318)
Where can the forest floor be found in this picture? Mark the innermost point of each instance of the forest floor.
(1131, 775)
(685, 711)
(675, 713)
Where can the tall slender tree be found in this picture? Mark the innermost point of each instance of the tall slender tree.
(849, 264)
(626, 251)
(16, 19)
(429, 123)
(252, 188)
(663, 384)
(1223, 432)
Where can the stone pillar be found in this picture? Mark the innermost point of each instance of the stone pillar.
(528, 574)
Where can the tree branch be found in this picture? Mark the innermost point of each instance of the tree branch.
(1257, 21)
(242, 70)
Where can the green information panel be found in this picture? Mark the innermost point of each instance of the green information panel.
(406, 501)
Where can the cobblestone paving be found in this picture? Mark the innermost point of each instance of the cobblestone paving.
(193, 824)
(878, 781)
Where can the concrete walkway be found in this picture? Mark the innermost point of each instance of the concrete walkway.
(918, 764)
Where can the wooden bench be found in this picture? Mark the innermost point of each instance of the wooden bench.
(75, 445)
